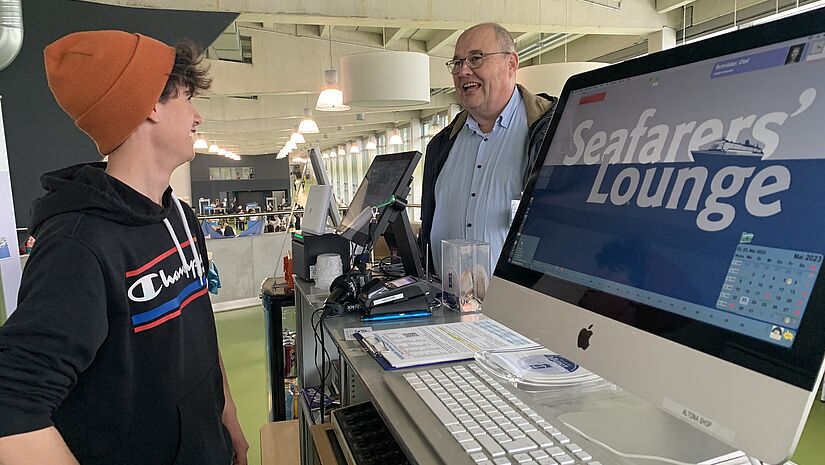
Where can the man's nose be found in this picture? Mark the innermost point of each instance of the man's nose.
(198, 118)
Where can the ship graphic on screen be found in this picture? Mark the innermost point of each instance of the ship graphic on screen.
(728, 147)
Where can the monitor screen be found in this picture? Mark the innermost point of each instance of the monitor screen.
(388, 175)
(679, 194)
(323, 179)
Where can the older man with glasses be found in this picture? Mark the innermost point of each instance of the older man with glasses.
(478, 165)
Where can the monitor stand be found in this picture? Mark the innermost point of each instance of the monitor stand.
(643, 429)
(401, 230)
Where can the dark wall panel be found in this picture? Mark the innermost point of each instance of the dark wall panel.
(270, 175)
(40, 137)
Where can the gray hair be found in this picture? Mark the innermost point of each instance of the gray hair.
(503, 37)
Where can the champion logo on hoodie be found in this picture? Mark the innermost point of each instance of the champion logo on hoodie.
(152, 284)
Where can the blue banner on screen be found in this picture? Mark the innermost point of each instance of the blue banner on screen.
(706, 204)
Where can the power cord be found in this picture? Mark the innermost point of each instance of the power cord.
(322, 371)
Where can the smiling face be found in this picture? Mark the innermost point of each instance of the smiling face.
(484, 91)
(178, 120)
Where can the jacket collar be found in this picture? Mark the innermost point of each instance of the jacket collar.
(534, 105)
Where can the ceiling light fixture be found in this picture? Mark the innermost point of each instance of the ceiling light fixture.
(297, 137)
(200, 143)
(214, 148)
(308, 125)
(371, 144)
(353, 148)
(221, 152)
(386, 79)
(341, 151)
(395, 139)
(331, 97)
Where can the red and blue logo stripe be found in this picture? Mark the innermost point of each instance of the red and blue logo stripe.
(169, 310)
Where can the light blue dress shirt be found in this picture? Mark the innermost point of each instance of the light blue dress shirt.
(481, 177)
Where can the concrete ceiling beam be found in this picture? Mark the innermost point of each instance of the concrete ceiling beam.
(634, 17)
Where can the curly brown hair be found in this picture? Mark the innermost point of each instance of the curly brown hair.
(188, 72)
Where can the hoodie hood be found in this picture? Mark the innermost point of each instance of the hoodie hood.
(87, 188)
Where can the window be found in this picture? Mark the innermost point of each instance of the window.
(246, 49)
(231, 173)
(381, 142)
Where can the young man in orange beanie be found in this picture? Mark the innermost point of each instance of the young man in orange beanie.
(112, 355)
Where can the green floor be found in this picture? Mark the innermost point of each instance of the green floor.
(241, 334)
(241, 339)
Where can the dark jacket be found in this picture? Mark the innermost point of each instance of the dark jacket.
(539, 111)
(113, 341)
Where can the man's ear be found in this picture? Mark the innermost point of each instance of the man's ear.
(154, 116)
(513, 61)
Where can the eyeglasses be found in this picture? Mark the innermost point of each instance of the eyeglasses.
(473, 60)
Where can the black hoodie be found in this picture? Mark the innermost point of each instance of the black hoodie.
(113, 341)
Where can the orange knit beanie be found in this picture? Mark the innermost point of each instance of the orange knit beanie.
(108, 81)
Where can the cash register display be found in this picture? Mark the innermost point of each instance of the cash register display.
(671, 232)
(388, 175)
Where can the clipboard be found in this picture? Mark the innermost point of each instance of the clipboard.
(372, 347)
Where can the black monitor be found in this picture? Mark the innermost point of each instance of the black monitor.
(323, 179)
(382, 194)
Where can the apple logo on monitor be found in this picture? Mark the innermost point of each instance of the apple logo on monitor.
(584, 338)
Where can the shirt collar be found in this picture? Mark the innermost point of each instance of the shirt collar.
(504, 118)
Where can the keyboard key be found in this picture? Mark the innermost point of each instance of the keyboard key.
(540, 439)
(444, 416)
(519, 445)
(550, 429)
(453, 429)
(539, 454)
(490, 445)
(461, 417)
(562, 439)
(503, 461)
(554, 451)
(521, 458)
(564, 459)
(463, 437)
(573, 447)
(478, 457)
(471, 447)
(582, 455)
(527, 428)
(547, 461)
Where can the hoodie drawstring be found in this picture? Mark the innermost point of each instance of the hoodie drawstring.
(198, 262)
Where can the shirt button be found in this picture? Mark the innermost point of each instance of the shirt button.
(469, 225)
(485, 139)
(478, 166)
(473, 194)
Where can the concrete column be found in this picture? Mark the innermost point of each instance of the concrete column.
(661, 40)
(415, 134)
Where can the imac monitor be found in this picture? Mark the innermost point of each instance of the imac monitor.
(670, 237)
(322, 178)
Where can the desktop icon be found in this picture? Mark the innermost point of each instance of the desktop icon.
(584, 338)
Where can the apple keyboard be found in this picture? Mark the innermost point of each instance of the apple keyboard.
(491, 424)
